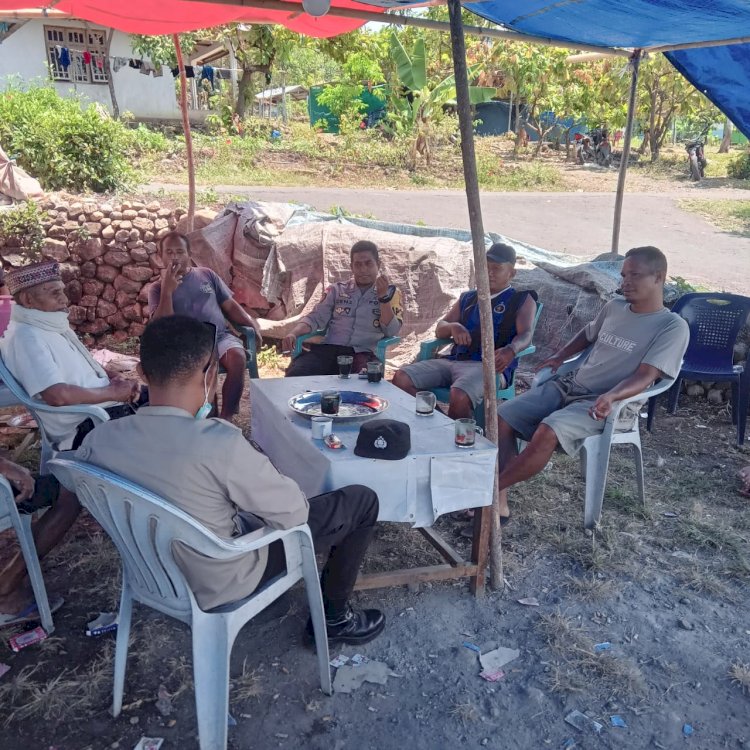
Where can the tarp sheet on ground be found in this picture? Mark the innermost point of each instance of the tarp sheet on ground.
(279, 258)
(15, 183)
(722, 73)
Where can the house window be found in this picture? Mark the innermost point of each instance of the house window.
(83, 68)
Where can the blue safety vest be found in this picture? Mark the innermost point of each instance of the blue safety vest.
(508, 301)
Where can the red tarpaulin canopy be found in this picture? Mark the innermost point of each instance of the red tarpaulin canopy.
(177, 16)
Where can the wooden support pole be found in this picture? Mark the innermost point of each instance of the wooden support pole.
(635, 62)
(188, 134)
(466, 126)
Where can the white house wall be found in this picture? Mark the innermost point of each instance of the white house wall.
(24, 54)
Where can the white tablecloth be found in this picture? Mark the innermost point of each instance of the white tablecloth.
(435, 478)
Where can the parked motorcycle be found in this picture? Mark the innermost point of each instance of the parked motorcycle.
(696, 159)
(594, 147)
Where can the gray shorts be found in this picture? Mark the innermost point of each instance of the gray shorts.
(567, 416)
(228, 341)
(465, 375)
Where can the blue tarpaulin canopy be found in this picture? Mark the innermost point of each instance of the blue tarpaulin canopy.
(722, 73)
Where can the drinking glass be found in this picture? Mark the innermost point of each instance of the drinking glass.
(426, 401)
(330, 402)
(374, 371)
(345, 365)
(466, 430)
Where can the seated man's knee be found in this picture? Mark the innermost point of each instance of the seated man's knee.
(366, 499)
(504, 429)
(234, 360)
(460, 398)
(402, 380)
(544, 436)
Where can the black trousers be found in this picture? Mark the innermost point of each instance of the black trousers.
(321, 360)
(115, 412)
(342, 523)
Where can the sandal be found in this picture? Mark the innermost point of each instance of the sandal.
(29, 613)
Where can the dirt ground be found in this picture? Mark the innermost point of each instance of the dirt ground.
(665, 585)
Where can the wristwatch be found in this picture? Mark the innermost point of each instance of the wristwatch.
(388, 295)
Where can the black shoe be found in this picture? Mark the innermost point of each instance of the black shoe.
(355, 627)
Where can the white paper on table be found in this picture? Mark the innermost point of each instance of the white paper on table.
(456, 483)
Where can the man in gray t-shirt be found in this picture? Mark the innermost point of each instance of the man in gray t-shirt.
(201, 294)
(633, 342)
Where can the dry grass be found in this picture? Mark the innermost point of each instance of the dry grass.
(589, 588)
(71, 694)
(465, 712)
(245, 685)
(739, 674)
(578, 668)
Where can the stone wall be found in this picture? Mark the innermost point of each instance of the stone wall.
(108, 256)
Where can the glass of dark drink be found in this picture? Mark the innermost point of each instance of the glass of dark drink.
(330, 402)
(345, 365)
(374, 371)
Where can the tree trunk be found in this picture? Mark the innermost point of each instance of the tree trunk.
(644, 143)
(726, 141)
(188, 134)
(108, 72)
(568, 156)
(242, 90)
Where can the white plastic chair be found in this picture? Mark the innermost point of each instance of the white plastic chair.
(21, 524)
(144, 528)
(597, 448)
(49, 446)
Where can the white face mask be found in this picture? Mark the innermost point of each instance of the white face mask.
(205, 410)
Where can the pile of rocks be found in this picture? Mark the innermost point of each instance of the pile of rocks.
(108, 256)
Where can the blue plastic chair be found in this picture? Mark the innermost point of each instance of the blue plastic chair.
(248, 339)
(380, 350)
(428, 349)
(715, 321)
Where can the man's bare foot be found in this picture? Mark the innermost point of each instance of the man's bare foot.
(744, 475)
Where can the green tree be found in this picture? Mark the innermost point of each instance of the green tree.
(417, 105)
(664, 94)
(343, 99)
(537, 76)
(256, 48)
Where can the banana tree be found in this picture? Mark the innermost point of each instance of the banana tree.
(417, 104)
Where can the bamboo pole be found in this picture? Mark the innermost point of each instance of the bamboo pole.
(188, 134)
(636, 62)
(466, 125)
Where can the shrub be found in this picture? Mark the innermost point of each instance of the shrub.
(63, 142)
(21, 226)
(144, 140)
(739, 168)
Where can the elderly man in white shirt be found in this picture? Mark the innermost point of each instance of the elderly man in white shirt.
(46, 357)
(44, 354)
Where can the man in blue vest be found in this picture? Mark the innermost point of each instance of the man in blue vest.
(513, 319)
